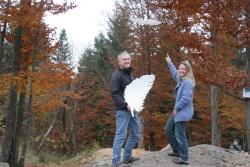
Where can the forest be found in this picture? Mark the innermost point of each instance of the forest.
(45, 105)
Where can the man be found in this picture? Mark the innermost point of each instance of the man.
(124, 120)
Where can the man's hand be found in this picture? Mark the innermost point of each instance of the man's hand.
(174, 112)
(129, 109)
(168, 59)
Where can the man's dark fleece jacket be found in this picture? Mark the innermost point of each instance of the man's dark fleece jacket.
(120, 79)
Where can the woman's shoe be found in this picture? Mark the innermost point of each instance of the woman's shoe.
(180, 161)
(173, 154)
(130, 160)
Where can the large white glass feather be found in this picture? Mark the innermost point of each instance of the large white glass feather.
(136, 92)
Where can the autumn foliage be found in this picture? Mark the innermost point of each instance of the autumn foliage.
(148, 47)
(212, 48)
(212, 35)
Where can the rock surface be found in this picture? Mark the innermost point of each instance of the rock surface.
(200, 156)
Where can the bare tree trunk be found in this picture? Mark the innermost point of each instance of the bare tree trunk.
(141, 141)
(216, 135)
(48, 131)
(148, 55)
(20, 109)
(16, 140)
(248, 125)
(29, 113)
(72, 125)
(27, 128)
(189, 136)
(248, 81)
(215, 129)
(7, 145)
(10, 126)
(64, 128)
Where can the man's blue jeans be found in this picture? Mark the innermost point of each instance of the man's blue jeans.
(124, 120)
(176, 133)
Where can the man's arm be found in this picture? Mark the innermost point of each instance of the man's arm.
(116, 93)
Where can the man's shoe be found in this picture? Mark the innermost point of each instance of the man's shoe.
(173, 154)
(115, 165)
(130, 160)
(180, 161)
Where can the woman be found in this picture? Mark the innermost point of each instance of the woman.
(183, 110)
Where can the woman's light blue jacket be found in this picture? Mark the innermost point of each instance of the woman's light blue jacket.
(184, 96)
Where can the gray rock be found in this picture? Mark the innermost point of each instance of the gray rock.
(200, 156)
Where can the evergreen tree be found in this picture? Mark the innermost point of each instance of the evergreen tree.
(100, 58)
(119, 31)
(85, 59)
(96, 60)
(64, 53)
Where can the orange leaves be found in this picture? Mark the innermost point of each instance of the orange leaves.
(19, 81)
(20, 13)
(188, 34)
(59, 8)
(48, 85)
(46, 103)
(51, 86)
(30, 45)
(71, 94)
